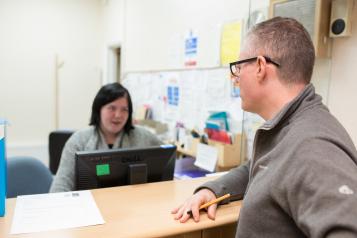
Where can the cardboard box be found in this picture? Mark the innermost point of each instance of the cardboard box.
(229, 155)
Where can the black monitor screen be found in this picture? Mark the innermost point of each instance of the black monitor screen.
(115, 167)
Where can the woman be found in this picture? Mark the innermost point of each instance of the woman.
(110, 127)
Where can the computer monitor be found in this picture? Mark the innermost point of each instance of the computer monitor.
(116, 167)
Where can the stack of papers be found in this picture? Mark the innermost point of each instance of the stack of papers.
(44, 212)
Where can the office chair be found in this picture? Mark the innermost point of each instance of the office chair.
(27, 175)
(56, 141)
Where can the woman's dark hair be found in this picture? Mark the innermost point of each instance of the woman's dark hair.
(107, 94)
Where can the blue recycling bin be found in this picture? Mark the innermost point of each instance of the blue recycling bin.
(2, 167)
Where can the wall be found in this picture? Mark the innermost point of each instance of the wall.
(151, 34)
(152, 27)
(32, 34)
(113, 22)
(343, 88)
(155, 31)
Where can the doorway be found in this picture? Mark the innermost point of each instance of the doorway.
(114, 63)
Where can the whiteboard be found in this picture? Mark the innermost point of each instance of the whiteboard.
(197, 92)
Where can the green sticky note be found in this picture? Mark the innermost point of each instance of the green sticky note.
(102, 169)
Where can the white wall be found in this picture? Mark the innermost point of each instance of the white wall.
(343, 88)
(113, 22)
(32, 33)
(155, 31)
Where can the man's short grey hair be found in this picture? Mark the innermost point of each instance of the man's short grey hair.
(286, 42)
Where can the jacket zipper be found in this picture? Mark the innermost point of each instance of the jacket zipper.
(253, 155)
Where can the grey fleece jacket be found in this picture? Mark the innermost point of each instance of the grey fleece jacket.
(302, 178)
(92, 139)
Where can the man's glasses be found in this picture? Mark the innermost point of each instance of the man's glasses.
(236, 66)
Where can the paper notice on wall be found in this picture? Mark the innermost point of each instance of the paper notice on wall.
(217, 89)
(230, 42)
(191, 100)
(191, 41)
(172, 96)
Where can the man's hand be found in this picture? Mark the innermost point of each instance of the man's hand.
(193, 203)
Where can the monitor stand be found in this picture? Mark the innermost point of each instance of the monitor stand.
(138, 173)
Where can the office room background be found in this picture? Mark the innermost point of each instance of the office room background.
(55, 54)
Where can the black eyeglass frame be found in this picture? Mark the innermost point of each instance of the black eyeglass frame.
(268, 59)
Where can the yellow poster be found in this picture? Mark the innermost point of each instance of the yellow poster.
(230, 42)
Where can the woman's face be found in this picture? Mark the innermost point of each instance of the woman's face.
(113, 116)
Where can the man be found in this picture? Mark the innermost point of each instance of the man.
(302, 178)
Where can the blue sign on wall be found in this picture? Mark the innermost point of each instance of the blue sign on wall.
(173, 95)
(191, 43)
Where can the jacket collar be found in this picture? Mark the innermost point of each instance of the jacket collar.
(306, 98)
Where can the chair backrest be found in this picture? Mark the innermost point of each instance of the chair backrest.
(27, 175)
(56, 141)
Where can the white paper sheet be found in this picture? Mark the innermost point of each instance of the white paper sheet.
(206, 157)
(218, 89)
(217, 174)
(43, 212)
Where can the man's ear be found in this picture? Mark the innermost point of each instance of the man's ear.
(262, 68)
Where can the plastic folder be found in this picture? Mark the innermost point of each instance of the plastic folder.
(219, 135)
(2, 168)
(220, 117)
